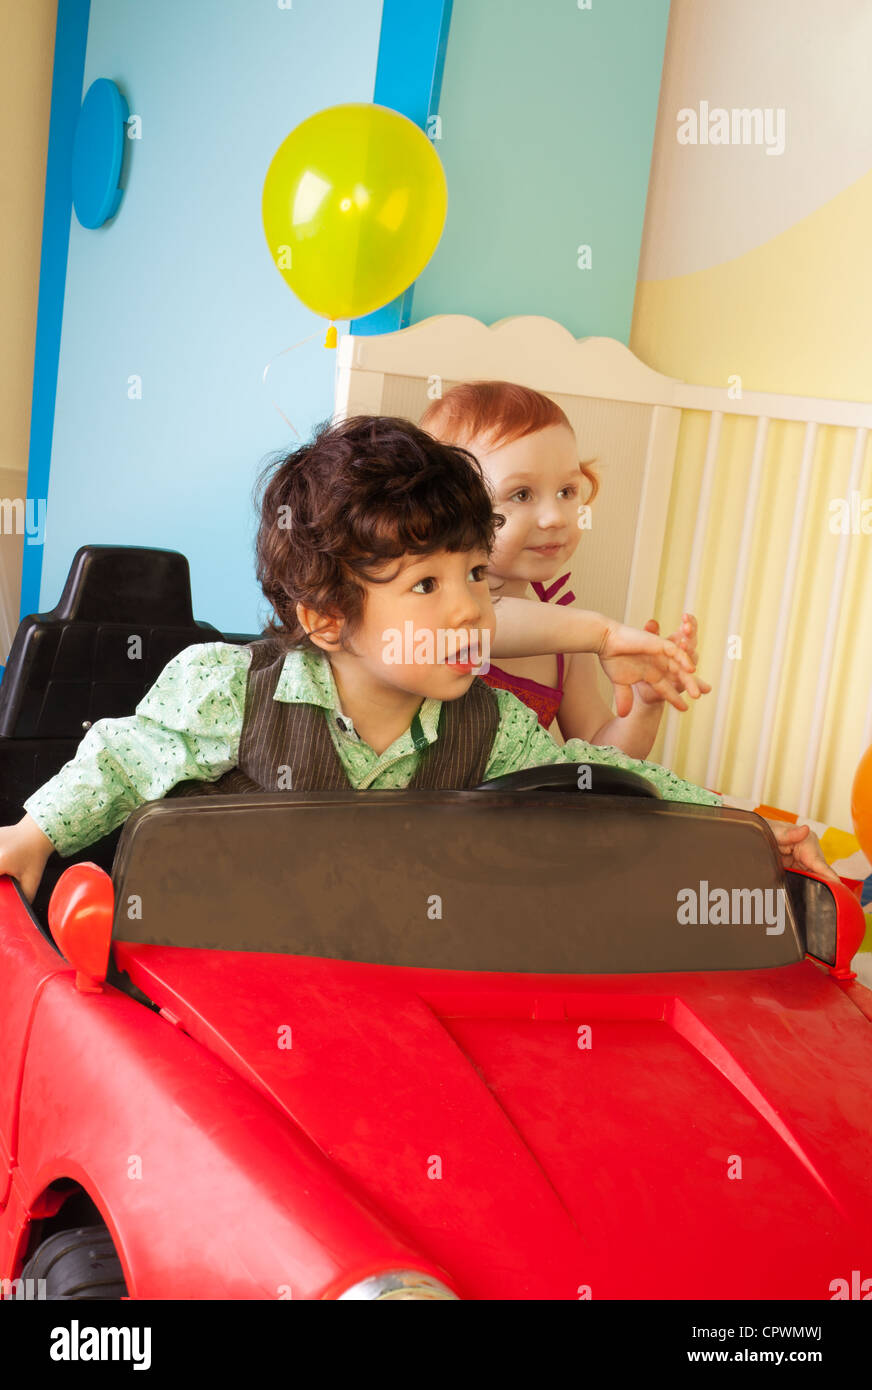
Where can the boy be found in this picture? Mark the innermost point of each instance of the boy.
(371, 527)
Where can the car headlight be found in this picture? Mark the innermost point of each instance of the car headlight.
(398, 1283)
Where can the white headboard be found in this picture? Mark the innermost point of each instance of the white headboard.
(713, 500)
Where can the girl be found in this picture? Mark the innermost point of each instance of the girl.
(527, 448)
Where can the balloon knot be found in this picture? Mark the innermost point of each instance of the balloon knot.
(330, 340)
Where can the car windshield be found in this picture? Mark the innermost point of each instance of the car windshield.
(533, 882)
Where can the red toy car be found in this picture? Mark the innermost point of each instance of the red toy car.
(521, 1042)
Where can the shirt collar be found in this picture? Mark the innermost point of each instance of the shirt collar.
(307, 678)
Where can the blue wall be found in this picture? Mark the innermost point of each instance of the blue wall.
(71, 36)
(548, 116)
(179, 288)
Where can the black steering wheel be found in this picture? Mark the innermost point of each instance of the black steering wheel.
(564, 777)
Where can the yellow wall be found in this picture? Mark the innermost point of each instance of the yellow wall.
(756, 262)
(793, 315)
(759, 266)
(26, 57)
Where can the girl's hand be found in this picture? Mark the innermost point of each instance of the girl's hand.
(628, 656)
(801, 849)
(686, 638)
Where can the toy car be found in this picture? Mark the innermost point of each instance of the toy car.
(519, 1042)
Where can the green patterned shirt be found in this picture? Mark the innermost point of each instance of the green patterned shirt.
(189, 725)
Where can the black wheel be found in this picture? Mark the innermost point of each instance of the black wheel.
(604, 780)
(78, 1264)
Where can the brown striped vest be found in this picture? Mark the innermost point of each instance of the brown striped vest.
(287, 745)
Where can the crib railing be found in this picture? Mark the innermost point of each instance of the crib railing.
(835, 686)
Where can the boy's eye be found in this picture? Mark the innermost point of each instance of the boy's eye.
(571, 489)
(521, 495)
(478, 573)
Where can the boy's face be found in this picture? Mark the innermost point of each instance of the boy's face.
(435, 607)
(538, 487)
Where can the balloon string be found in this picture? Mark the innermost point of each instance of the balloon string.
(275, 359)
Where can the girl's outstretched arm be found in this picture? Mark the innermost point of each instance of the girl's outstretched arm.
(526, 627)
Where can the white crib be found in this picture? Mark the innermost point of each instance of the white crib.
(713, 501)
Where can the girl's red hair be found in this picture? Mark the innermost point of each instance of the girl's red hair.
(497, 413)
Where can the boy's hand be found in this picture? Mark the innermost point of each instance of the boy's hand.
(686, 638)
(629, 656)
(801, 849)
(24, 850)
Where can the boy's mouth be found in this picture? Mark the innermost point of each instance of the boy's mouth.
(461, 661)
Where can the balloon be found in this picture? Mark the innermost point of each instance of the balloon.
(861, 803)
(353, 208)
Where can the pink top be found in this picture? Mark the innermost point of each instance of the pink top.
(544, 700)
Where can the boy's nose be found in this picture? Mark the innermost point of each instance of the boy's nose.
(466, 611)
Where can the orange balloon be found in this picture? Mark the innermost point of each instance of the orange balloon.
(861, 803)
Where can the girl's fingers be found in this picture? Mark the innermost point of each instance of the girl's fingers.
(663, 647)
(685, 684)
(682, 684)
(623, 700)
(643, 642)
(679, 657)
(668, 692)
(667, 652)
(687, 636)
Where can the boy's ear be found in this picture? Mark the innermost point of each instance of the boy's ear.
(323, 629)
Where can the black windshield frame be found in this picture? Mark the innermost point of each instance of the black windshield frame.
(530, 882)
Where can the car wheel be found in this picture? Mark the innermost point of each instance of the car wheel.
(78, 1264)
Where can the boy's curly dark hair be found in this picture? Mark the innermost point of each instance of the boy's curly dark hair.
(366, 490)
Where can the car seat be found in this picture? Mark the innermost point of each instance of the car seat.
(81, 661)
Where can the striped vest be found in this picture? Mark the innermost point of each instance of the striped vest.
(287, 745)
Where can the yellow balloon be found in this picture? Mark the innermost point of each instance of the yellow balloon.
(353, 208)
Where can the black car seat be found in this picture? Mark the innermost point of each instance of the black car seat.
(125, 611)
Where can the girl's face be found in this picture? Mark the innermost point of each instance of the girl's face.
(538, 486)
